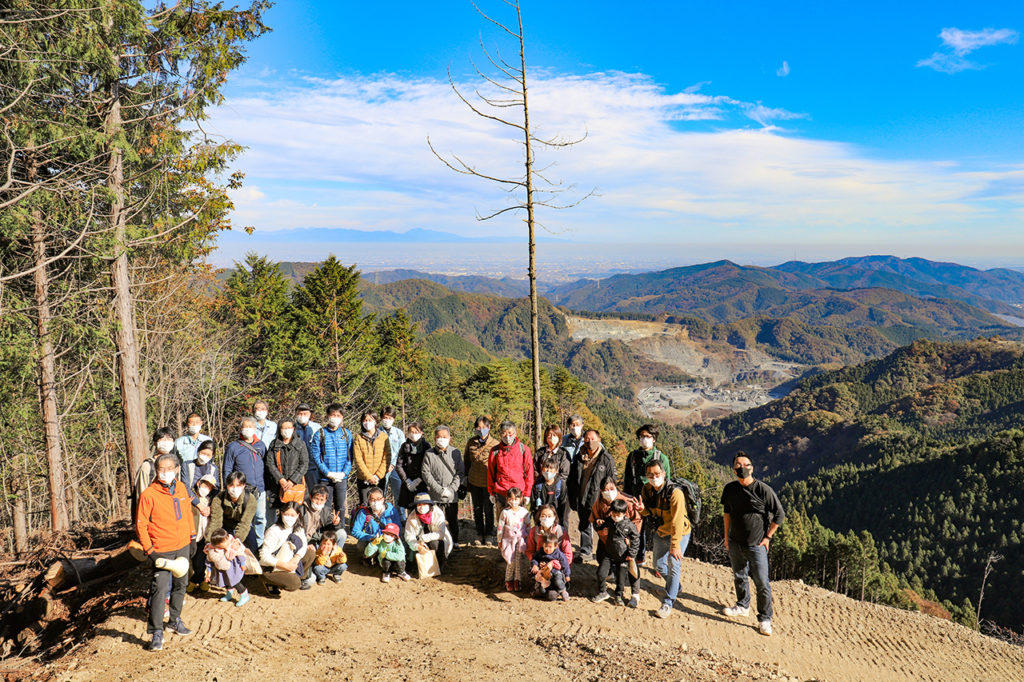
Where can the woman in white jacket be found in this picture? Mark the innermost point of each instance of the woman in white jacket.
(426, 529)
(286, 556)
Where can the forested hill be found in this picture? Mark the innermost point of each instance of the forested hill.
(923, 449)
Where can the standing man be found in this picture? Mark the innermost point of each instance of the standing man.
(753, 515)
(165, 528)
(286, 464)
(666, 505)
(635, 477)
(266, 430)
(573, 439)
(509, 466)
(478, 454)
(445, 476)
(163, 444)
(304, 430)
(247, 455)
(588, 469)
(371, 454)
(332, 450)
(189, 443)
(396, 437)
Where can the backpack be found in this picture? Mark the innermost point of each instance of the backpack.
(691, 491)
(348, 445)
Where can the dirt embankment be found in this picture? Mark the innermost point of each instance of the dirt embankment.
(463, 626)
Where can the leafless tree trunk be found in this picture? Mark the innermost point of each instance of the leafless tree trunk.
(20, 513)
(991, 559)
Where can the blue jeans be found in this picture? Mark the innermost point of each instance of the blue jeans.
(259, 521)
(321, 572)
(667, 565)
(752, 561)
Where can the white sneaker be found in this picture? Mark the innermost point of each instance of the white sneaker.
(664, 612)
(765, 628)
(737, 610)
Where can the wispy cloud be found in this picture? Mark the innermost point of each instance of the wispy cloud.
(957, 44)
(669, 166)
(783, 70)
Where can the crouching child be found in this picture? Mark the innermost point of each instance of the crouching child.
(550, 568)
(225, 565)
(331, 560)
(390, 553)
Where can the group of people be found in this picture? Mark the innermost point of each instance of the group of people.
(277, 507)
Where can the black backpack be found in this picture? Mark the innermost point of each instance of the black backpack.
(691, 491)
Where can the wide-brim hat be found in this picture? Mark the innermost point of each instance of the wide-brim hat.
(422, 498)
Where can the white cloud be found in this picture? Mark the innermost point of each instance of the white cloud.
(675, 166)
(959, 43)
(783, 70)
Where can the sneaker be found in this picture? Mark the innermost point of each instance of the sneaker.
(600, 597)
(405, 577)
(179, 628)
(385, 577)
(204, 587)
(307, 583)
(477, 542)
(736, 611)
(190, 588)
(618, 600)
(273, 591)
(228, 596)
(664, 612)
(765, 628)
(564, 595)
(336, 577)
(157, 643)
(243, 599)
(633, 601)
(321, 581)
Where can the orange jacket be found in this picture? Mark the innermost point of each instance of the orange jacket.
(164, 519)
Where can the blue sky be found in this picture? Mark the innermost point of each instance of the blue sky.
(846, 127)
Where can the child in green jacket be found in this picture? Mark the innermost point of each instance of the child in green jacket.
(390, 552)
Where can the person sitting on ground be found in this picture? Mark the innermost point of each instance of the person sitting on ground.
(426, 529)
(547, 522)
(286, 556)
(234, 509)
(371, 518)
(317, 517)
(165, 529)
(225, 565)
(550, 568)
(331, 560)
(512, 530)
(550, 489)
(203, 491)
(388, 551)
(622, 541)
(409, 467)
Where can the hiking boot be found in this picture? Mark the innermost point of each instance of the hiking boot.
(736, 611)
(405, 577)
(180, 629)
(190, 588)
(204, 586)
(600, 597)
(385, 577)
(243, 599)
(228, 596)
(633, 601)
(157, 643)
(618, 600)
(664, 612)
(765, 628)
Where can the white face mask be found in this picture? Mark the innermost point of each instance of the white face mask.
(577, 431)
(302, 419)
(260, 415)
(193, 429)
(657, 482)
(415, 437)
(547, 521)
(335, 422)
(287, 433)
(289, 521)
(204, 491)
(387, 423)
(166, 477)
(482, 432)
(202, 459)
(377, 506)
(647, 442)
(248, 433)
(422, 508)
(609, 495)
(164, 446)
(369, 426)
(442, 443)
(508, 440)
(549, 475)
(235, 492)
(316, 506)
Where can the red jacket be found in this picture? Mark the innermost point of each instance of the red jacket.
(164, 519)
(510, 466)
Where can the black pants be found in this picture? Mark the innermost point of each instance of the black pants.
(197, 574)
(646, 530)
(339, 500)
(483, 511)
(554, 588)
(451, 517)
(389, 566)
(364, 489)
(622, 576)
(437, 546)
(161, 582)
(312, 479)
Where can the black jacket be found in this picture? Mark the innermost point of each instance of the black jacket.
(294, 462)
(562, 462)
(583, 491)
(409, 467)
(623, 539)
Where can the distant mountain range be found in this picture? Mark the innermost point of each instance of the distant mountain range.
(418, 235)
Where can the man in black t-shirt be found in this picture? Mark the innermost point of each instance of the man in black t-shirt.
(753, 514)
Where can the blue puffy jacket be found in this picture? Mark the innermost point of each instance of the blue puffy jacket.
(332, 451)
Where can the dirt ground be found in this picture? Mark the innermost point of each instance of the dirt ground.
(463, 626)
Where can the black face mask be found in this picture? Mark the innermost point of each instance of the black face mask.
(744, 472)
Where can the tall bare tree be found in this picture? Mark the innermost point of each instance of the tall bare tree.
(532, 190)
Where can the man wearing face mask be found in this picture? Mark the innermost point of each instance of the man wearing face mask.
(635, 477)
(371, 519)
(266, 430)
(317, 517)
(591, 466)
(163, 444)
(187, 445)
(247, 455)
(666, 505)
(445, 476)
(395, 438)
(304, 430)
(478, 454)
(573, 439)
(164, 526)
(332, 450)
(286, 463)
(509, 466)
(753, 515)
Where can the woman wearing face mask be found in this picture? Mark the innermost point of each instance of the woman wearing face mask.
(286, 555)
(371, 455)
(547, 521)
(552, 449)
(445, 477)
(163, 444)
(427, 529)
(410, 466)
(370, 520)
(204, 491)
(635, 476)
(600, 517)
(477, 453)
(234, 509)
(286, 461)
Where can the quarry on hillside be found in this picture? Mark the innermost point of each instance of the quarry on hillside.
(731, 379)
